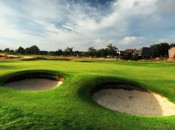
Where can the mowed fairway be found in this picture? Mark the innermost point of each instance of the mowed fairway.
(70, 106)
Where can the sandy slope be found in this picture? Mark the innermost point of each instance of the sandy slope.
(34, 84)
(134, 102)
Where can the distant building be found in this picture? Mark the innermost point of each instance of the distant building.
(131, 51)
(145, 52)
(171, 52)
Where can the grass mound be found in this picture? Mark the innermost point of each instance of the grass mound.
(70, 106)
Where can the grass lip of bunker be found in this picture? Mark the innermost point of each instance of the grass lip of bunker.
(34, 81)
(131, 99)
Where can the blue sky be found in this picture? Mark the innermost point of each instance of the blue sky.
(57, 24)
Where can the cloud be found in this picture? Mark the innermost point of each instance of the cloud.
(166, 6)
(169, 39)
(81, 24)
(132, 40)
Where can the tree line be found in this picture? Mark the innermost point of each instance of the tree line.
(109, 51)
(160, 50)
(157, 50)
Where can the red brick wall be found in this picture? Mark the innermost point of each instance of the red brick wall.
(172, 52)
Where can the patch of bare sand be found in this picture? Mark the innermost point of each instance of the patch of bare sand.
(34, 84)
(134, 102)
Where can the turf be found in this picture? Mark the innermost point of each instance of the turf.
(70, 105)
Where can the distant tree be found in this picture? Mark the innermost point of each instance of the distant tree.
(92, 52)
(52, 53)
(112, 50)
(59, 52)
(102, 53)
(43, 52)
(77, 53)
(68, 51)
(160, 50)
(21, 50)
(7, 50)
(127, 56)
(33, 50)
(11, 52)
(1, 50)
(164, 49)
(135, 57)
(28, 51)
(156, 50)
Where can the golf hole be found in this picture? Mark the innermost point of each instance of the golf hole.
(132, 100)
(34, 81)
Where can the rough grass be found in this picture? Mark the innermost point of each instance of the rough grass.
(70, 105)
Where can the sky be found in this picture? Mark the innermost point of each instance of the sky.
(57, 24)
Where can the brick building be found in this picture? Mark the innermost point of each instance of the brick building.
(171, 52)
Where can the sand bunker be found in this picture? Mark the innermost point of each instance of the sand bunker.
(34, 81)
(128, 99)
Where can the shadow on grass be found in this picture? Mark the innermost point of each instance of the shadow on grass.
(7, 67)
(44, 58)
(88, 85)
(84, 61)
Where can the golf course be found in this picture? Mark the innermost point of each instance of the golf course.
(70, 105)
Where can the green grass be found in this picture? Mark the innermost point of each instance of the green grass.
(70, 105)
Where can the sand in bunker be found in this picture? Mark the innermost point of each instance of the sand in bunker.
(34, 84)
(134, 102)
